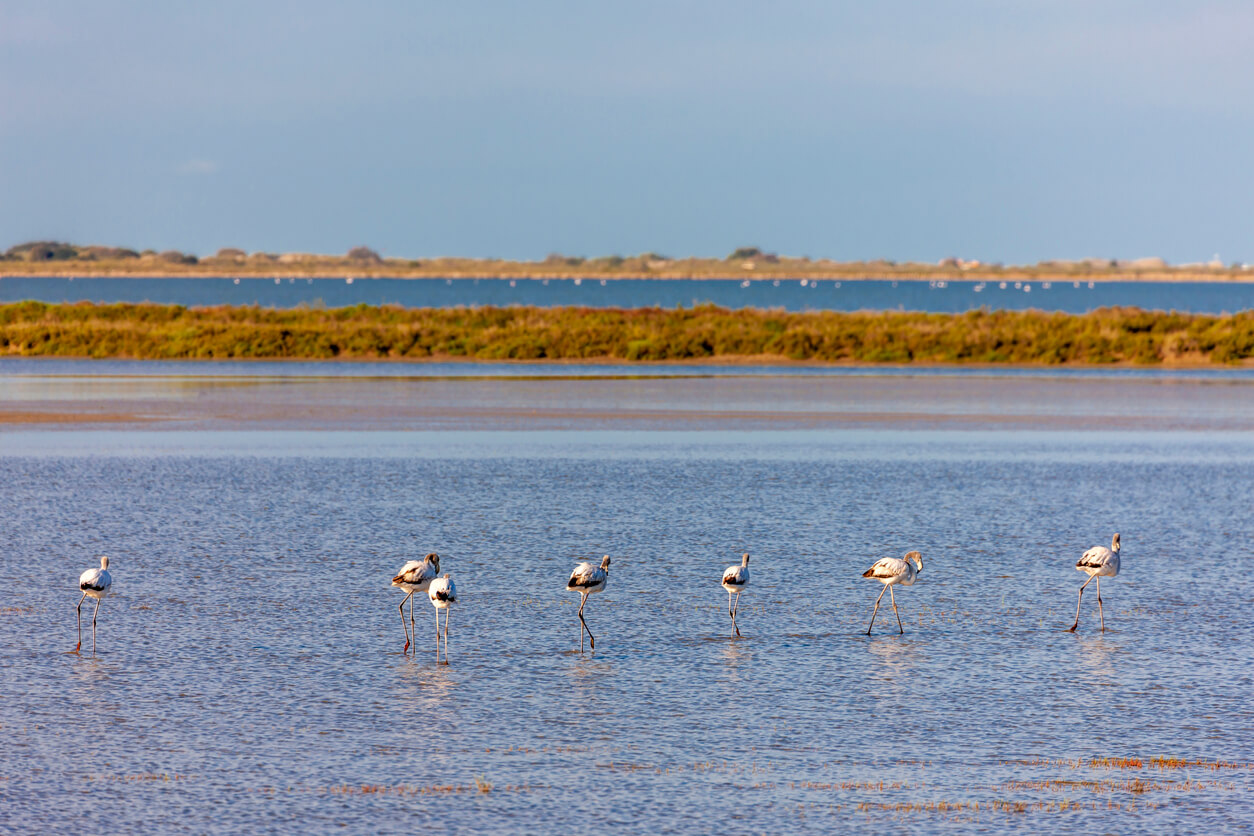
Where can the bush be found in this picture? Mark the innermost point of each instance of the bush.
(364, 255)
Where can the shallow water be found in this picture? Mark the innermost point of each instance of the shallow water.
(17, 368)
(332, 396)
(249, 674)
(788, 294)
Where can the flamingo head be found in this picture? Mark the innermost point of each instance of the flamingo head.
(917, 558)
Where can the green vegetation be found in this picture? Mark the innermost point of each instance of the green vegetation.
(39, 251)
(1110, 335)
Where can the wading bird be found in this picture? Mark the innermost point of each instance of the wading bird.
(587, 579)
(735, 579)
(96, 583)
(1099, 562)
(415, 576)
(892, 571)
(443, 595)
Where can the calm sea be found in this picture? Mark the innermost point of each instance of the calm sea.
(250, 674)
(788, 294)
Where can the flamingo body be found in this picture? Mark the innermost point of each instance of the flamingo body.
(893, 571)
(1100, 561)
(442, 592)
(95, 583)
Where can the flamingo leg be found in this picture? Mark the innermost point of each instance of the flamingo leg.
(409, 598)
(94, 613)
(735, 612)
(80, 623)
(592, 642)
(447, 612)
(893, 598)
(412, 629)
(437, 635)
(1099, 604)
(876, 609)
(1077, 604)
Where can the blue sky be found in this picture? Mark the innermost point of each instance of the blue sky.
(1000, 130)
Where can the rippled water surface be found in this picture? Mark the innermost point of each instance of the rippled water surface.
(250, 674)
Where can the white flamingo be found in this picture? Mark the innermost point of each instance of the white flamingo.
(587, 579)
(735, 579)
(893, 571)
(443, 595)
(415, 576)
(1099, 562)
(96, 583)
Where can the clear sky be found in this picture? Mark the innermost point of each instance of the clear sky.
(1006, 130)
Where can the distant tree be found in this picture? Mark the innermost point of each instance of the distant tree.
(743, 253)
(106, 253)
(176, 257)
(43, 251)
(231, 254)
(364, 254)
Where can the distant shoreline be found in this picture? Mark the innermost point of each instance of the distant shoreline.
(56, 259)
(19, 270)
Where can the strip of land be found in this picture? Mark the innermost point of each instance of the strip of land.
(703, 334)
(57, 259)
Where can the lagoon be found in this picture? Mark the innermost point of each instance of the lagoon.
(787, 294)
(250, 661)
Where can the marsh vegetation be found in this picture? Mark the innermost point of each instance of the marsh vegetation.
(703, 333)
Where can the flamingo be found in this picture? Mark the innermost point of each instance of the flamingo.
(415, 576)
(735, 579)
(587, 579)
(96, 583)
(443, 595)
(1099, 562)
(892, 571)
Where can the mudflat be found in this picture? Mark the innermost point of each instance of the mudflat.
(716, 402)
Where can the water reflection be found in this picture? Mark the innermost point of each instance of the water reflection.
(893, 656)
(1098, 654)
(735, 655)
